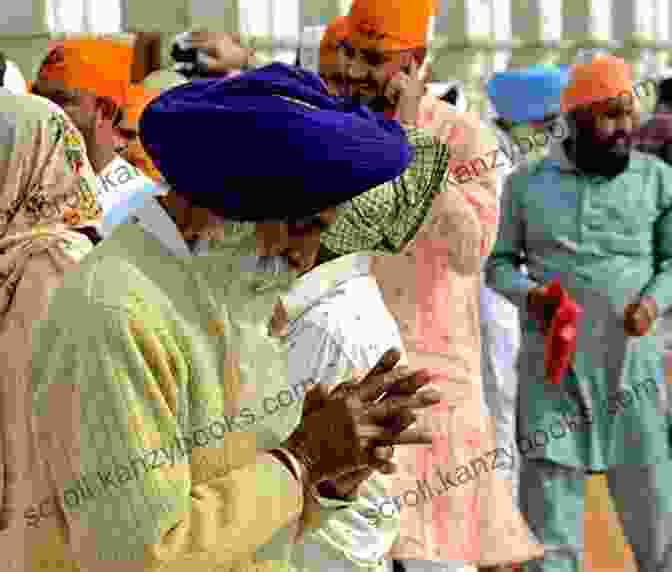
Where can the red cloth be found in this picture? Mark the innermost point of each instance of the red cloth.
(561, 337)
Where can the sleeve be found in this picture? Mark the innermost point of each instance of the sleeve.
(388, 216)
(503, 268)
(660, 287)
(343, 530)
(467, 212)
(109, 397)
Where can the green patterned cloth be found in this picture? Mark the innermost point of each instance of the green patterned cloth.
(387, 217)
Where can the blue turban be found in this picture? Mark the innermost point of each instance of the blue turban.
(528, 94)
(269, 144)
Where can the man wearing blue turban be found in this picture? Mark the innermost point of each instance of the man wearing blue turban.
(158, 381)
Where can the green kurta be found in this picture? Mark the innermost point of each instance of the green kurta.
(608, 241)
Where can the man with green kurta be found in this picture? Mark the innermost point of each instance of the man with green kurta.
(597, 217)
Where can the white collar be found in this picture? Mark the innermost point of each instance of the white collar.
(312, 286)
(154, 219)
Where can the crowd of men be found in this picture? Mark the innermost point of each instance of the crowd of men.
(177, 255)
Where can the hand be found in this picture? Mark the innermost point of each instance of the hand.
(345, 487)
(542, 306)
(640, 316)
(345, 431)
(405, 91)
(224, 52)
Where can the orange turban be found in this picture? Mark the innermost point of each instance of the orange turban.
(137, 98)
(336, 32)
(390, 26)
(603, 79)
(101, 66)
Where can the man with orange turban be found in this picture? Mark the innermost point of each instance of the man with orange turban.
(442, 215)
(90, 79)
(596, 216)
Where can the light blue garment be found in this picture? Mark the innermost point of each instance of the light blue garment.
(608, 242)
(126, 206)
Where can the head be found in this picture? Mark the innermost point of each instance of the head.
(296, 240)
(80, 77)
(602, 113)
(332, 55)
(382, 41)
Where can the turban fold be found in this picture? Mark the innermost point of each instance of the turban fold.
(283, 147)
(386, 25)
(528, 94)
(603, 79)
(100, 66)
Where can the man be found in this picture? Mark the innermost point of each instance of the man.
(451, 228)
(90, 80)
(176, 353)
(528, 96)
(596, 216)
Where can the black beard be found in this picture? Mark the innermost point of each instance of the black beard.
(594, 158)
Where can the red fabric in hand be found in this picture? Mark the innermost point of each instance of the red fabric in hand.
(560, 343)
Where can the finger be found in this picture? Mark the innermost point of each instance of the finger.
(393, 406)
(413, 69)
(385, 467)
(410, 384)
(384, 453)
(372, 387)
(413, 437)
(381, 437)
(387, 362)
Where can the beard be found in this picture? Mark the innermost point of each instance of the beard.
(607, 158)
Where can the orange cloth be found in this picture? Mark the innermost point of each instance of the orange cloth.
(138, 97)
(390, 26)
(101, 66)
(336, 32)
(605, 78)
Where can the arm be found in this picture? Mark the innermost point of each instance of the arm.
(468, 210)
(660, 286)
(111, 390)
(503, 268)
(342, 529)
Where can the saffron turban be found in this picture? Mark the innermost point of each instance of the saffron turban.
(528, 94)
(605, 78)
(138, 97)
(283, 148)
(100, 66)
(390, 26)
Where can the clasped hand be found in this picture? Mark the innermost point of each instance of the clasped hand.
(346, 435)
